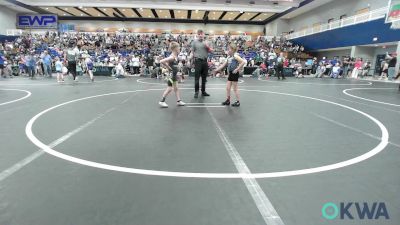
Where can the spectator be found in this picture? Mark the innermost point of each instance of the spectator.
(392, 61)
(2, 60)
(298, 69)
(357, 68)
(335, 71)
(320, 70)
(59, 66)
(366, 68)
(31, 64)
(346, 66)
(47, 61)
(384, 69)
(279, 66)
(119, 71)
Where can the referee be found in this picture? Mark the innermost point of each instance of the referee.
(200, 53)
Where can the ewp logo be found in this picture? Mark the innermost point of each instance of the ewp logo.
(37, 21)
(363, 210)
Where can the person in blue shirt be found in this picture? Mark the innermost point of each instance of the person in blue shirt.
(47, 64)
(31, 64)
(2, 59)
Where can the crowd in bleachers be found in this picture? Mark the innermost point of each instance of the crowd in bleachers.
(347, 67)
(350, 67)
(135, 53)
(140, 54)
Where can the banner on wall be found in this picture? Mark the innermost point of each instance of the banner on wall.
(393, 13)
(38, 21)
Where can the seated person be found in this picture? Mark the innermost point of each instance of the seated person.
(366, 68)
(119, 71)
(298, 73)
(335, 71)
(320, 70)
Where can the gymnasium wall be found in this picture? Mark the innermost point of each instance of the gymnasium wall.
(8, 19)
(162, 26)
(332, 53)
(333, 9)
(364, 52)
(358, 34)
(277, 27)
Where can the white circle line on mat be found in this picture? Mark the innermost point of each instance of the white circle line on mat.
(54, 83)
(367, 99)
(290, 82)
(28, 93)
(377, 149)
(181, 84)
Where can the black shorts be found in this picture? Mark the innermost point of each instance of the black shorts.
(1, 66)
(233, 77)
(72, 67)
(171, 81)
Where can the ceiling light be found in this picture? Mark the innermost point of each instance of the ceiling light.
(141, 9)
(179, 11)
(98, 14)
(85, 9)
(80, 7)
(81, 14)
(231, 13)
(123, 10)
(149, 16)
(104, 9)
(165, 16)
(66, 9)
(197, 10)
(160, 10)
(214, 13)
(64, 14)
(241, 11)
(47, 8)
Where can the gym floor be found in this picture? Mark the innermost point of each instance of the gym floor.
(105, 153)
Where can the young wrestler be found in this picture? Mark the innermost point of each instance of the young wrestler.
(171, 63)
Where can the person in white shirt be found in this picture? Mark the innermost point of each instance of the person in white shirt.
(135, 64)
(272, 57)
(59, 67)
(298, 69)
(119, 71)
(335, 71)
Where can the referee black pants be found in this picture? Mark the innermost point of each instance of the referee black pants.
(72, 68)
(280, 72)
(201, 70)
